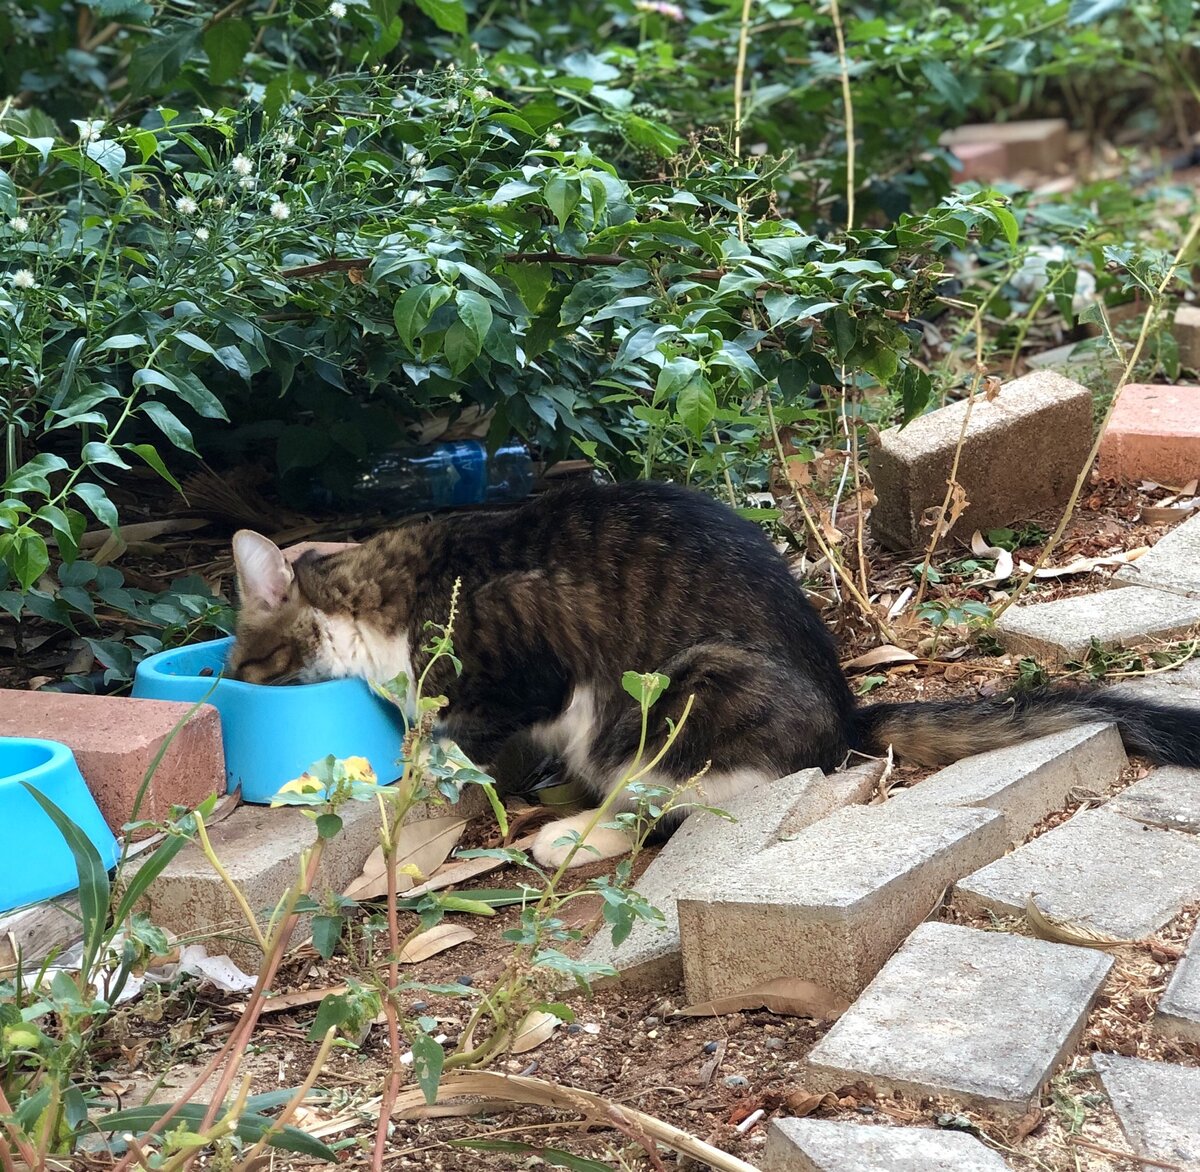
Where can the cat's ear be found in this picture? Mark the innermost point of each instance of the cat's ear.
(263, 574)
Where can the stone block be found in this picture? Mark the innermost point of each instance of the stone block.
(1157, 1104)
(1021, 455)
(983, 162)
(1034, 145)
(1092, 365)
(1169, 797)
(1027, 781)
(1097, 869)
(1180, 685)
(983, 1017)
(831, 903)
(115, 739)
(707, 844)
(1062, 631)
(1154, 434)
(260, 849)
(1178, 1013)
(823, 1145)
(1173, 564)
(1187, 337)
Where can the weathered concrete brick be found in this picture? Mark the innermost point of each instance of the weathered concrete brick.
(1097, 869)
(707, 844)
(1025, 782)
(1154, 434)
(830, 904)
(1187, 336)
(984, 162)
(1178, 1013)
(260, 849)
(1021, 455)
(823, 1145)
(1169, 797)
(1034, 145)
(1180, 685)
(985, 1017)
(1158, 1105)
(1173, 564)
(1062, 631)
(115, 739)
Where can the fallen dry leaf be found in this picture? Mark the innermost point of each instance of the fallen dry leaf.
(423, 845)
(299, 999)
(1086, 565)
(534, 1030)
(462, 870)
(878, 657)
(1080, 935)
(802, 1103)
(437, 939)
(1002, 558)
(1167, 514)
(788, 996)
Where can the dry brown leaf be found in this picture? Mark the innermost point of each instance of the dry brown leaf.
(140, 531)
(461, 871)
(1001, 556)
(534, 1030)
(878, 657)
(508, 1089)
(1041, 925)
(1086, 565)
(1026, 1125)
(1166, 514)
(802, 1103)
(299, 999)
(788, 996)
(437, 939)
(423, 845)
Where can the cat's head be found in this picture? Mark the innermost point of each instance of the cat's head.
(280, 634)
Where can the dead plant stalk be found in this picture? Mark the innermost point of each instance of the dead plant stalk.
(1084, 472)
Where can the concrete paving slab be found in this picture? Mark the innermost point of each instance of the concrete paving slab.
(1173, 564)
(1169, 797)
(983, 1017)
(1062, 631)
(707, 844)
(1028, 781)
(831, 903)
(1158, 1104)
(1178, 1013)
(824, 1145)
(1098, 869)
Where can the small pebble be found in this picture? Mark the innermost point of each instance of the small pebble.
(467, 980)
(735, 1082)
(710, 1047)
(650, 1022)
(591, 1028)
(774, 1043)
(420, 1006)
(865, 1109)
(574, 1028)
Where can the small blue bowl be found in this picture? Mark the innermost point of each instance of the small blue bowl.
(273, 734)
(35, 861)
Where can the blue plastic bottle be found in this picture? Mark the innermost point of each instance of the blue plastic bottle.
(456, 472)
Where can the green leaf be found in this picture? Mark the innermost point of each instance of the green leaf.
(428, 1058)
(96, 499)
(94, 888)
(250, 1129)
(326, 932)
(562, 194)
(31, 476)
(25, 553)
(226, 43)
(645, 687)
(329, 825)
(98, 452)
(1090, 11)
(108, 154)
(161, 57)
(168, 423)
(122, 342)
(413, 309)
(696, 405)
(8, 196)
(68, 528)
(448, 15)
(462, 347)
(474, 312)
(150, 454)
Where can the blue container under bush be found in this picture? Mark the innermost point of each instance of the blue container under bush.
(35, 861)
(272, 734)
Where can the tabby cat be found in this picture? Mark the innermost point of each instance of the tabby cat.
(564, 594)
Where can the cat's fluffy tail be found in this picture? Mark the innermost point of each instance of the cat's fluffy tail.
(937, 733)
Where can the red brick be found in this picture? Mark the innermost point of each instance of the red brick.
(116, 738)
(985, 162)
(1038, 145)
(1154, 435)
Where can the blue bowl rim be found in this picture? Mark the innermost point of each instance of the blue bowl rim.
(60, 755)
(150, 670)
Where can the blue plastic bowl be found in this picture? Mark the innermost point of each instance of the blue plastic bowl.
(273, 734)
(35, 861)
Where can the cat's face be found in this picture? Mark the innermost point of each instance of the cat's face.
(279, 632)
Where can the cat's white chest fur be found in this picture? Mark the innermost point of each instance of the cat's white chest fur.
(359, 649)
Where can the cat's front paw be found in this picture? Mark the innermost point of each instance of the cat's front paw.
(555, 841)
